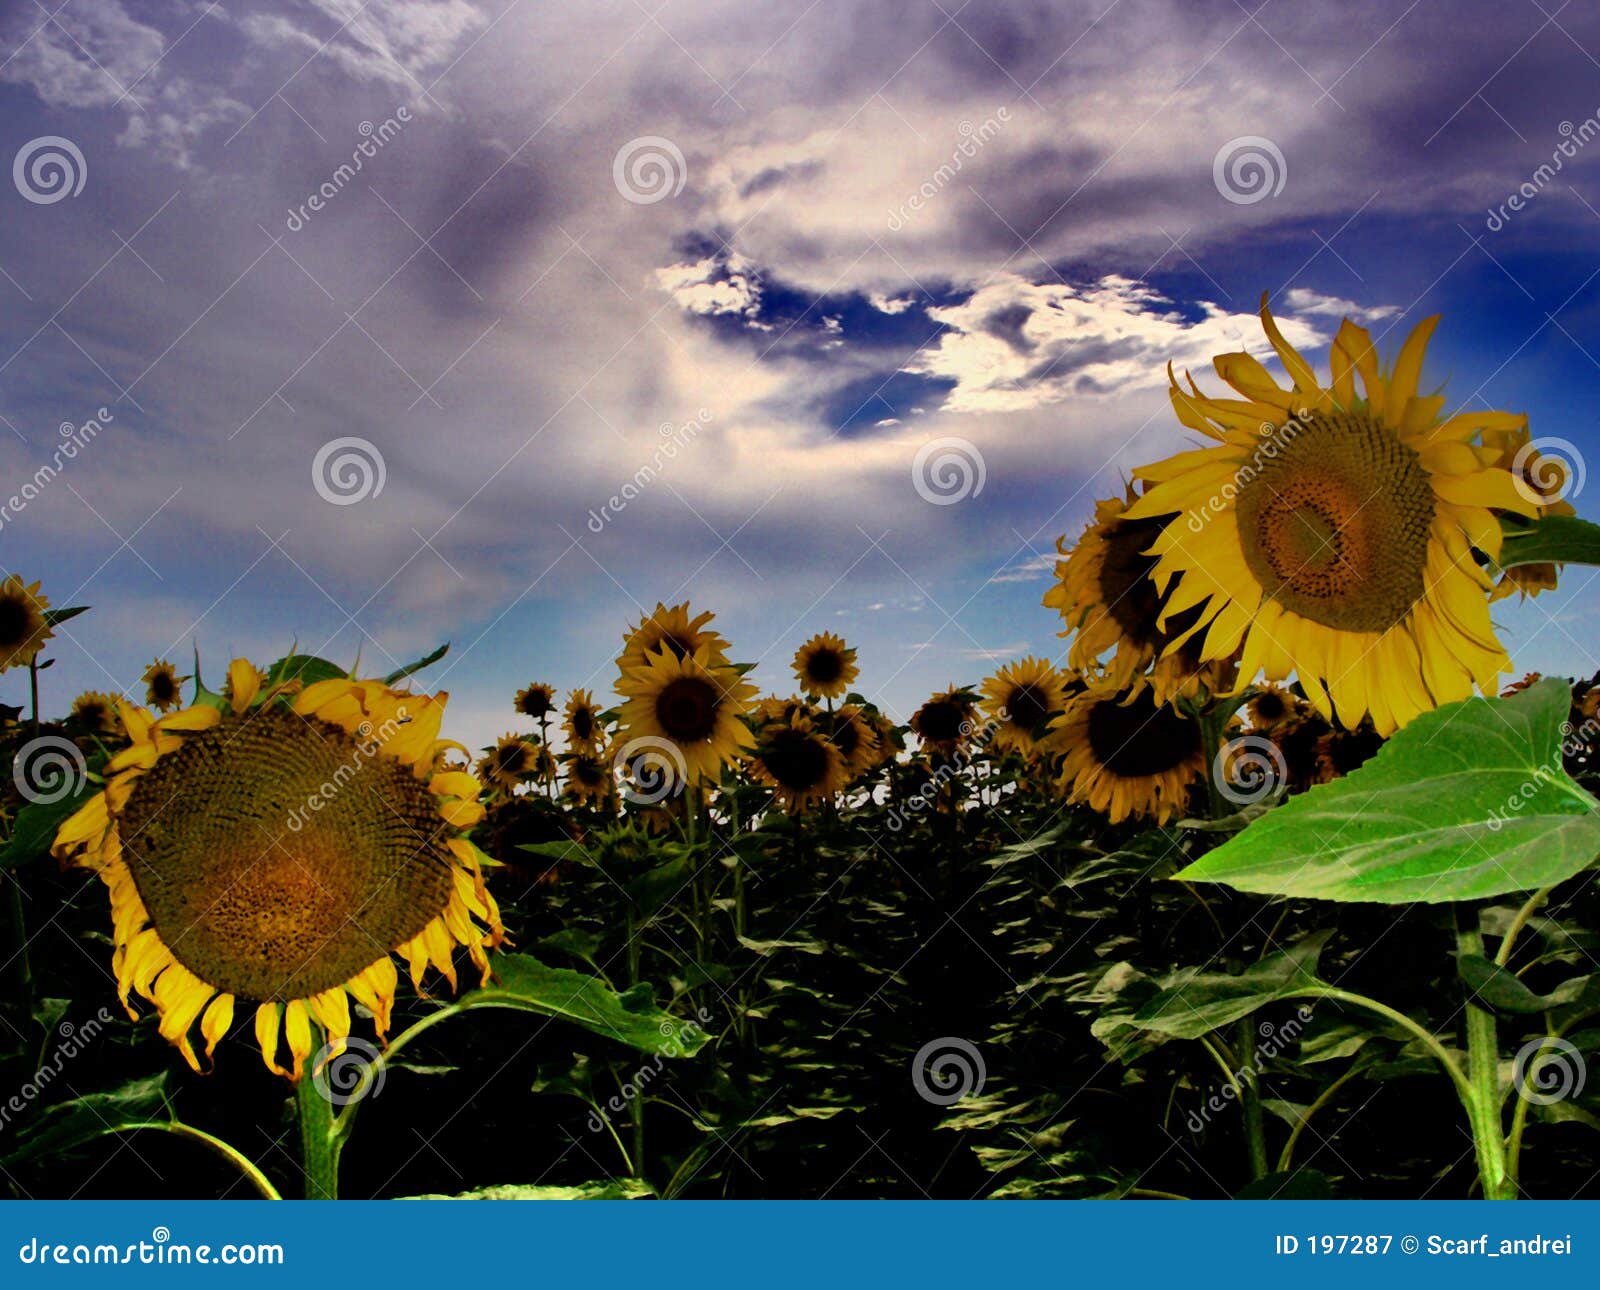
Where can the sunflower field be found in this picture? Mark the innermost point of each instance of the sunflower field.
(1274, 882)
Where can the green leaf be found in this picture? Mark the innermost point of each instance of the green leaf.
(307, 668)
(400, 673)
(71, 1124)
(1556, 539)
(54, 616)
(1468, 801)
(1195, 1003)
(612, 1189)
(1501, 990)
(36, 824)
(524, 983)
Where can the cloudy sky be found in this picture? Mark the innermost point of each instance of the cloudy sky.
(386, 302)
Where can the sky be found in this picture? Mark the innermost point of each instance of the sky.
(496, 322)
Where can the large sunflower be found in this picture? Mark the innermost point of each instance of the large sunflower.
(674, 629)
(1019, 697)
(826, 666)
(1127, 755)
(24, 622)
(278, 850)
(803, 766)
(695, 702)
(1332, 532)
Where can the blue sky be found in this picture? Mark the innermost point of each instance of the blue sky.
(577, 236)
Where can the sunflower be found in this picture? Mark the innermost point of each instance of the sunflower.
(163, 687)
(96, 713)
(279, 851)
(509, 764)
(24, 622)
(1271, 705)
(890, 737)
(589, 781)
(674, 629)
(1127, 755)
(536, 700)
(1019, 697)
(826, 666)
(582, 721)
(1299, 739)
(695, 702)
(852, 734)
(1332, 534)
(1105, 594)
(803, 766)
(1341, 751)
(1543, 478)
(946, 720)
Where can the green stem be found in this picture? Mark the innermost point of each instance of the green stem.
(1255, 1127)
(1323, 1098)
(320, 1139)
(1528, 910)
(1483, 1069)
(228, 1152)
(636, 1106)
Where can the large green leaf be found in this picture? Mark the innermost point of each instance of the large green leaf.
(36, 825)
(1556, 539)
(1466, 802)
(524, 983)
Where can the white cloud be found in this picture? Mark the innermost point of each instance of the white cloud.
(1016, 344)
(1302, 300)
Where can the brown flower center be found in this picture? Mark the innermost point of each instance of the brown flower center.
(1335, 525)
(686, 709)
(1138, 739)
(278, 856)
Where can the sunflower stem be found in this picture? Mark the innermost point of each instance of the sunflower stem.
(1483, 1074)
(225, 1150)
(320, 1140)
